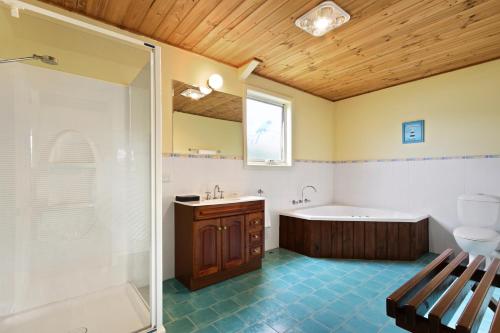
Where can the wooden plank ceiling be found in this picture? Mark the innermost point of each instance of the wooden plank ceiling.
(387, 42)
(217, 105)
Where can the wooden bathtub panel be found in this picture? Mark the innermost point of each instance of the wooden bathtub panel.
(422, 240)
(283, 232)
(326, 239)
(291, 234)
(359, 240)
(299, 235)
(370, 240)
(404, 241)
(392, 241)
(337, 239)
(425, 242)
(347, 240)
(355, 240)
(314, 246)
(413, 240)
(381, 240)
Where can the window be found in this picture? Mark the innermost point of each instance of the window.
(267, 130)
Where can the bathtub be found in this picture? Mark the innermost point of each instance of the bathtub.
(351, 213)
(348, 232)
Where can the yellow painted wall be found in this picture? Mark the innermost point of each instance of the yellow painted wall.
(461, 110)
(191, 131)
(312, 117)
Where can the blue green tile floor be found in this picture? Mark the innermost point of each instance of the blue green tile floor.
(292, 293)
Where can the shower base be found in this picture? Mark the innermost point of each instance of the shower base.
(114, 310)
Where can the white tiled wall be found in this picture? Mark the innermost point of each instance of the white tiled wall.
(430, 186)
(183, 175)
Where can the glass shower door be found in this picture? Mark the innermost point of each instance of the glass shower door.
(76, 191)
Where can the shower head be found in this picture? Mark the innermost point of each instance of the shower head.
(46, 59)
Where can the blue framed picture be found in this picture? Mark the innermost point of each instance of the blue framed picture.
(413, 131)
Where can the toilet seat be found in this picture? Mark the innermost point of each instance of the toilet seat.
(476, 234)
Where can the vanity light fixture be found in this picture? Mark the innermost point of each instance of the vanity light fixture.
(322, 18)
(215, 81)
(193, 94)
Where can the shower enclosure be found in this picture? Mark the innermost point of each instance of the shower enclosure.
(80, 219)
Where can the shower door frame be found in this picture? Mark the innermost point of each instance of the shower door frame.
(156, 273)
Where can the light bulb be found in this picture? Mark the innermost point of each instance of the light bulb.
(322, 23)
(215, 81)
(326, 12)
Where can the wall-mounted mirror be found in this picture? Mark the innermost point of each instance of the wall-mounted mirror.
(211, 124)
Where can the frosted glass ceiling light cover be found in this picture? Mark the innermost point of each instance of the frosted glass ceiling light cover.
(322, 18)
(215, 81)
(193, 94)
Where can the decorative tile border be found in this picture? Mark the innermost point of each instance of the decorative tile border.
(214, 157)
(314, 161)
(231, 157)
(409, 159)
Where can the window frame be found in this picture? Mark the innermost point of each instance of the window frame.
(264, 96)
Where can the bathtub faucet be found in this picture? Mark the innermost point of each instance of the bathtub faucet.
(304, 199)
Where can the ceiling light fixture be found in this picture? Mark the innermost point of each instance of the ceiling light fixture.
(193, 94)
(322, 18)
(215, 81)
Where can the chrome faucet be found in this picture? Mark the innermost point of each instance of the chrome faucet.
(304, 199)
(218, 190)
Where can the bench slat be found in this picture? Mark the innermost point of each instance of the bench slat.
(471, 317)
(430, 293)
(444, 310)
(495, 325)
(422, 277)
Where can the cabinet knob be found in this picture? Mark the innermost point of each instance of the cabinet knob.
(256, 222)
(255, 236)
(219, 228)
(225, 228)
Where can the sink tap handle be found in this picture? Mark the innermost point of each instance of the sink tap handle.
(221, 194)
(208, 195)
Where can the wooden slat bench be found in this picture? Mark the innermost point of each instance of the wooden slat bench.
(440, 288)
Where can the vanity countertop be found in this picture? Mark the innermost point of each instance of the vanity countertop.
(220, 201)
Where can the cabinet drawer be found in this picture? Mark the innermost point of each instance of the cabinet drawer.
(255, 221)
(255, 237)
(255, 252)
(206, 212)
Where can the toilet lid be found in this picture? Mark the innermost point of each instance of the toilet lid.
(477, 234)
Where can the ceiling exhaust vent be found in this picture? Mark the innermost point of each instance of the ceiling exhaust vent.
(321, 19)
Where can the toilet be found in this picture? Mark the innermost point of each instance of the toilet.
(479, 215)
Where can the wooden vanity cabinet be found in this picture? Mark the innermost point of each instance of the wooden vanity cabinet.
(216, 242)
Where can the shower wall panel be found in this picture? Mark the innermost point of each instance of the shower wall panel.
(74, 188)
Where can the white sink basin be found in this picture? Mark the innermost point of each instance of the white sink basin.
(221, 201)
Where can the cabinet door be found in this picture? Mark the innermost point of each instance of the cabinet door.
(233, 241)
(207, 247)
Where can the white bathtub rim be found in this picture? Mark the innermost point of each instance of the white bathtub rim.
(415, 217)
